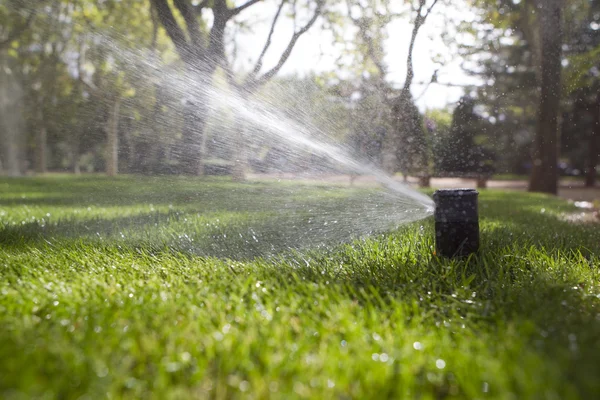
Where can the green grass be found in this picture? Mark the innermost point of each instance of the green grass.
(105, 297)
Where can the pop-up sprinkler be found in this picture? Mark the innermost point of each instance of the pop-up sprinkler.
(456, 222)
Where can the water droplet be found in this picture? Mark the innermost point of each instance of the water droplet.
(417, 346)
(441, 364)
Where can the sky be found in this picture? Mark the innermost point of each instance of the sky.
(314, 51)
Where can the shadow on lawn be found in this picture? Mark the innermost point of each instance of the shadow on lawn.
(225, 234)
(208, 218)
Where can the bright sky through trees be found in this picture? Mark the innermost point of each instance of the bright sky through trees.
(315, 52)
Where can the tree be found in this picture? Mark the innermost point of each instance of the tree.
(202, 53)
(594, 147)
(247, 87)
(109, 70)
(11, 120)
(581, 130)
(410, 144)
(405, 146)
(502, 60)
(521, 56)
(462, 150)
(19, 19)
(55, 35)
(14, 23)
(544, 175)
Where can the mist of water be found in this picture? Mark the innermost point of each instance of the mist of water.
(333, 220)
(263, 120)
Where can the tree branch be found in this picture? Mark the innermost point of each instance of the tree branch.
(432, 80)
(18, 30)
(241, 8)
(372, 53)
(189, 16)
(419, 21)
(198, 8)
(259, 62)
(363, 30)
(429, 10)
(174, 31)
(286, 54)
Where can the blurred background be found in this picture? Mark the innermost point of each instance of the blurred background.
(420, 88)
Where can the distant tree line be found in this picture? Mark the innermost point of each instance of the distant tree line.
(124, 87)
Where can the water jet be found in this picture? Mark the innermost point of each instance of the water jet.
(456, 222)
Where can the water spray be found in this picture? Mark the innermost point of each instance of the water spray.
(456, 222)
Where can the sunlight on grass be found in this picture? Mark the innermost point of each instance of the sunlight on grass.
(376, 317)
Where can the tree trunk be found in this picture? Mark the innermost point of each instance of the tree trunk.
(112, 139)
(75, 154)
(12, 153)
(12, 123)
(75, 157)
(240, 156)
(194, 122)
(195, 114)
(544, 175)
(74, 147)
(148, 160)
(594, 146)
(40, 150)
(41, 142)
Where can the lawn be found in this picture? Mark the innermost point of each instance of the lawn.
(182, 288)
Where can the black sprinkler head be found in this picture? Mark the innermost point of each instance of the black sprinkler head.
(456, 222)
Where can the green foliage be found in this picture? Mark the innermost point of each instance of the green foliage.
(379, 317)
(577, 75)
(506, 57)
(441, 117)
